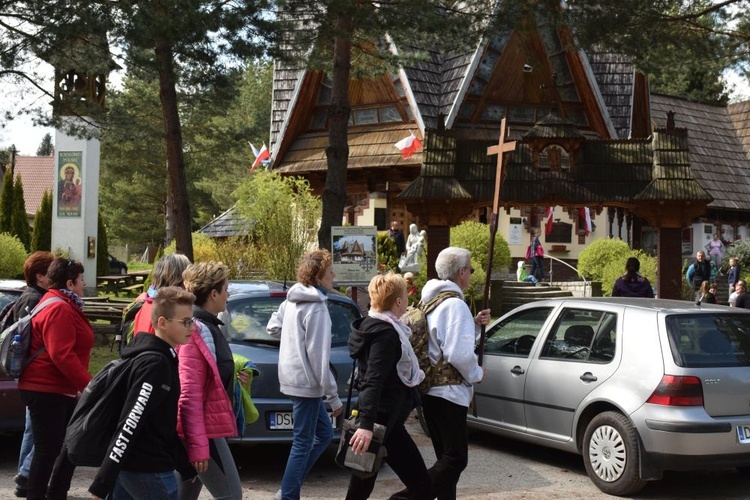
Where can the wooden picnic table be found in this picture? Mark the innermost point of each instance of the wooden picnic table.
(114, 283)
(139, 276)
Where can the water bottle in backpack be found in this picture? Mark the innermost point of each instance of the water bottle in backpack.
(16, 357)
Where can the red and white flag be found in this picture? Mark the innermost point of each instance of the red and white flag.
(548, 219)
(262, 156)
(585, 214)
(408, 145)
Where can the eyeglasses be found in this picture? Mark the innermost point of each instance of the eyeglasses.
(187, 323)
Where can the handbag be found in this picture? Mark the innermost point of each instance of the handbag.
(539, 252)
(367, 464)
(528, 252)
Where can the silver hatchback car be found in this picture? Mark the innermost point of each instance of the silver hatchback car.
(636, 386)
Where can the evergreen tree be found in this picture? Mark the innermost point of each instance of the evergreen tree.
(102, 249)
(6, 203)
(20, 220)
(46, 147)
(41, 238)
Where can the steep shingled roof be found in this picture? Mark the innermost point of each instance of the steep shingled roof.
(614, 74)
(717, 158)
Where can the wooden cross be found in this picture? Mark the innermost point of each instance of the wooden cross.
(499, 149)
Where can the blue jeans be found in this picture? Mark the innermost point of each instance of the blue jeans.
(27, 448)
(537, 263)
(145, 486)
(312, 435)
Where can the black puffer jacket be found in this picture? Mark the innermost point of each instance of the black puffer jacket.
(376, 346)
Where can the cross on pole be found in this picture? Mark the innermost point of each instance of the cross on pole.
(499, 149)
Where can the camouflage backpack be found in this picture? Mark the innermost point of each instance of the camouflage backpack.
(415, 318)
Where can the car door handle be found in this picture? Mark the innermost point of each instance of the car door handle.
(517, 370)
(588, 377)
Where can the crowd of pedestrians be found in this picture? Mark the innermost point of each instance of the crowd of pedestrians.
(182, 390)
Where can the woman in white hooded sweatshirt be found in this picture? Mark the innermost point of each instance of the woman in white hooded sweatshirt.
(304, 327)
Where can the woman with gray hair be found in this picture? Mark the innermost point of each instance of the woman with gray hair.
(452, 333)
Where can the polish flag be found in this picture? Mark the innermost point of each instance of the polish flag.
(585, 214)
(548, 220)
(261, 156)
(408, 145)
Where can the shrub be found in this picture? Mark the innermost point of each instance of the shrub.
(242, 258)
(616, 268)
(204, 248)
(475, 237)
(595, 257)
(387, 254)
(12, 256)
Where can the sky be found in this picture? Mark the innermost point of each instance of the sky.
(27, 137)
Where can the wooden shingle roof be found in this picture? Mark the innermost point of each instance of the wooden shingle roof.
(717, 158)
(739, 113)
(615, 76)
(371, 146)
(226, 225)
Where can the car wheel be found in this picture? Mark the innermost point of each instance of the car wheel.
(611, 454)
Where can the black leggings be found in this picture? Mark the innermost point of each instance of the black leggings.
(50, 414)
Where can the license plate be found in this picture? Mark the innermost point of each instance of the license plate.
(743, 434)
(284, 420)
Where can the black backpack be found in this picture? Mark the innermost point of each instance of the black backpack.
(95, 418)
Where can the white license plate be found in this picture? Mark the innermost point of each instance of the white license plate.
(743, 433)
(283, 420)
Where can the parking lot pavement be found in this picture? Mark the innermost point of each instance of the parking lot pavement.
(498, 469)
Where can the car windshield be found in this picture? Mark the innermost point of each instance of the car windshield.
(246, 319)
(709, 340)
(7, 297)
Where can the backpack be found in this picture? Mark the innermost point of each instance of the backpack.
(415, 318)
(97, 413)
(127, 324)
(6, 315)
(22, 327)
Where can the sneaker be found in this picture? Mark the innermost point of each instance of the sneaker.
(22, 484)
(277, 496)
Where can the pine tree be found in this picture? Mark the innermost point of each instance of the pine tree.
(102, 249)
(6, 203)
(46, 147)
(19, 219)
(41, 239)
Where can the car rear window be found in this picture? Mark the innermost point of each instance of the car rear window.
(709, 340)
(247, 319)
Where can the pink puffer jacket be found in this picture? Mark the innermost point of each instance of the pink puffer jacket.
(204, 410)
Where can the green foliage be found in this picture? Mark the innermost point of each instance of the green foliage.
(741, 250)
(12, 256)
(102, 248)
(387, 253)
(475, 237)
(616, 268)
(20, 220)
(6, 204)
(283, 214)
(595, 257)
(240, 255)
(41, 238)
(204, 248)
(45, 147)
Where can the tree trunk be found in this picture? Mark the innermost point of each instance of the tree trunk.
(173, 136)
(337, 152)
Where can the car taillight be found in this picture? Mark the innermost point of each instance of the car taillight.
(678, 391)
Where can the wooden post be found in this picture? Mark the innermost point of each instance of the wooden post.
(500, 149)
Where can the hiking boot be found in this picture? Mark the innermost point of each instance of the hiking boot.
(22, 484)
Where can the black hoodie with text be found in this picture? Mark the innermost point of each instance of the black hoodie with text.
(146, 438)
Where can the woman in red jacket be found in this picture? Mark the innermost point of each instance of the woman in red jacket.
(204, 413)
(50, 385)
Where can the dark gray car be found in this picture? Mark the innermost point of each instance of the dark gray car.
(249, 308)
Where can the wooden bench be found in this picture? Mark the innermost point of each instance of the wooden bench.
(135, 289)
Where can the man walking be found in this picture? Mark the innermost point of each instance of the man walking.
(452, 336)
